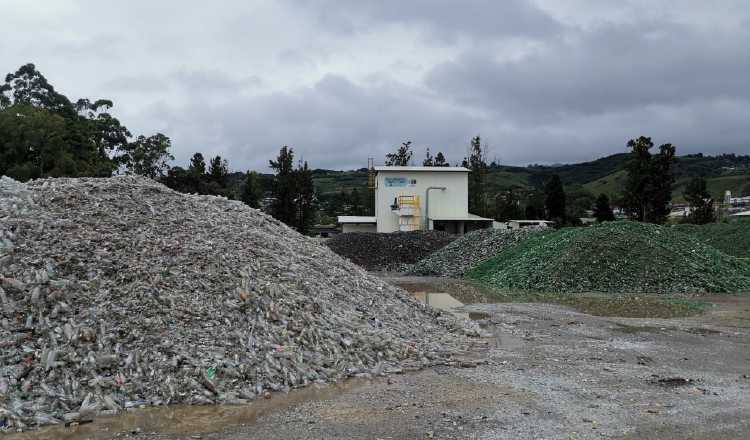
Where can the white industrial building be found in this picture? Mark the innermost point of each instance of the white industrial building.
(418, 198)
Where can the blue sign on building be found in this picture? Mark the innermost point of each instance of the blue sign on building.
(395, 181)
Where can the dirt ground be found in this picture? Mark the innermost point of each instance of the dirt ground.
(550, 372)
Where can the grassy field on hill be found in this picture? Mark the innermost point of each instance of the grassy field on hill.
(614, 183)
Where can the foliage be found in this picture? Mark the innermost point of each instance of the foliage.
(283, 207)
(648, 188)
(305, 199)
(440, 160)
(622, 257)
(401, 157)
(477, 165)
(602, 209)
(554, 200)
(578, 202)
(507, 206)
(437, 161)
(428, 161)
(197, 179)
(252, 193)
(198, 164)
(148, 156)
(42, 133)
(701, 203)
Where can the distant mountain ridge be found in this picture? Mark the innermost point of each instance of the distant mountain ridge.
(604, 175)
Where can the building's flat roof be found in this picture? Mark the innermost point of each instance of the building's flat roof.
(356, 219)
(421, 169)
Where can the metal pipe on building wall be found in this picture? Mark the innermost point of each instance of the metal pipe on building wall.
(427, 205)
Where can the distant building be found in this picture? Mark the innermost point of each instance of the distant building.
(357, 223)
(418, 198)
(514, 225)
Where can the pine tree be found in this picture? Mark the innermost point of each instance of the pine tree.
(401, 157)
(305, 198)
(251, 192)
(701, 203)
(440, 160)
(554, 200)
(284, 187)
(648, 188)
(197, 164)
(477, 165)
(507, 206)
(215, 181)
(660, 187)
(428, 161)
(355, 203)
(602, 209)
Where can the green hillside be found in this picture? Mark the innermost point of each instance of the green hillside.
(605, 175)
(614, 183)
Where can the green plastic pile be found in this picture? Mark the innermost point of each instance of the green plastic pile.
(615, 257)
(732, 238)
(467, 252)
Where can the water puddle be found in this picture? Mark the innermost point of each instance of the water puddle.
(442, 301)
(185, 419)
(446, 302)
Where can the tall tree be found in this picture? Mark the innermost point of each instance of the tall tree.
(440, 160)
(198, 164)
(28, 86)
(638, 176)
(477, 165)
(218, 170)
(305, 199)
(252, 193)
(428, 161)
(602, 209)
(81, 139)
(701, 202)
(401, 157)
(284, 187)
(660, 187)
(148, 156)
(507, 206)
(648, 188)
(554, 200)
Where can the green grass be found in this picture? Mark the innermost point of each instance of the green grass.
(611, 185)
(614, 184)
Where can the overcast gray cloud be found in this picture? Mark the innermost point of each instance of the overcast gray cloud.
(542, 81)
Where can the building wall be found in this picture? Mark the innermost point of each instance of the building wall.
(453, 202)
(358, 227)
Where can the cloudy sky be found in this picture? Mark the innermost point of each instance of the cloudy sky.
(542, 81)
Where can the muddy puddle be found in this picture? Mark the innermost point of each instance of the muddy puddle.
(185, 419)
(447, 303)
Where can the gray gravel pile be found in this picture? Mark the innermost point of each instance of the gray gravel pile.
(467, 252)
(392, 251)
(120, 293)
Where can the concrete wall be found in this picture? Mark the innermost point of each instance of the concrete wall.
(358, 227)
(453, 202)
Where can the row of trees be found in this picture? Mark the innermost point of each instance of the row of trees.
(647, 196)
(44, 134)
(293, 191)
